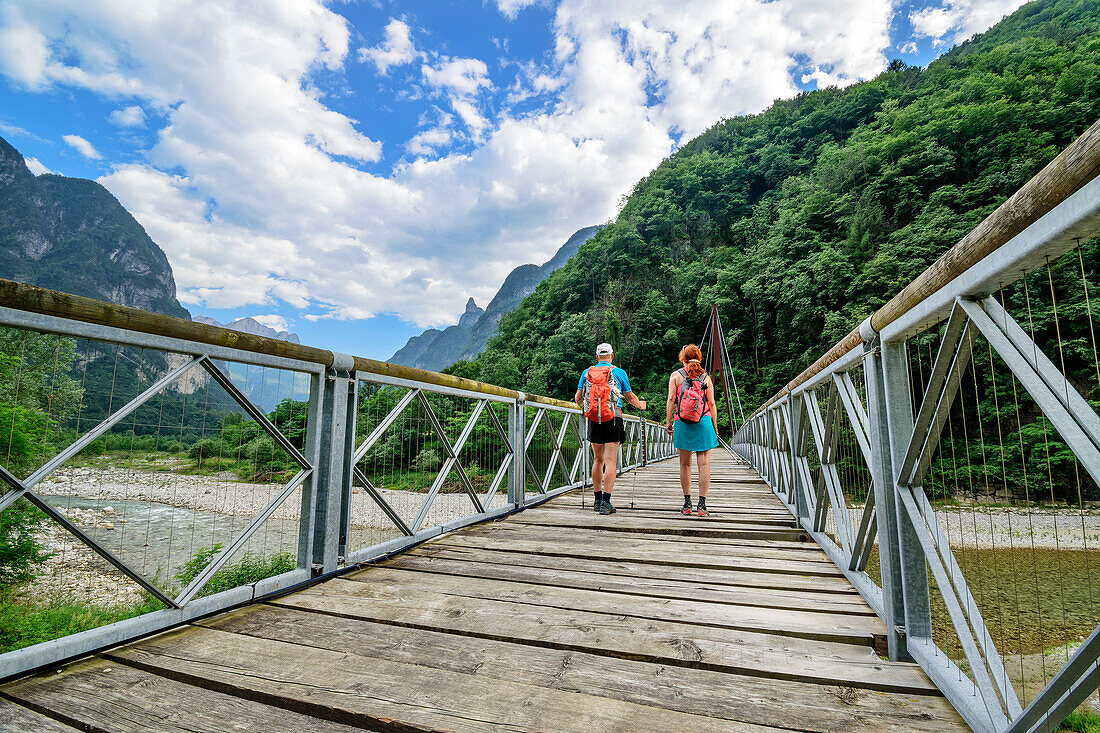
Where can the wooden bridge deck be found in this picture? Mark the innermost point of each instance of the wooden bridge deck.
(555, 619)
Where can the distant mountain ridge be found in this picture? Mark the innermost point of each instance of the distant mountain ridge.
(252, 326)
(435, 349)
(71, 234)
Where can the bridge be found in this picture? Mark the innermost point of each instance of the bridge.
(311, 540)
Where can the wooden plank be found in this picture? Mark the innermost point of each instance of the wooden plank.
(713, 578)
(663, 642)
(825, 625)
(104, 696)
(719, 517)
(800, 551)
(15, 718)
(626, 552)
(339, 686)
(730, 697)
(683, 525)
(664, 588)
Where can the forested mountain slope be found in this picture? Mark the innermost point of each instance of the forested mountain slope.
(800, 221)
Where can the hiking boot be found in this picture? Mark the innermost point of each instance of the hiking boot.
(701, 510)
(687, 506)
(596, 505)
(606, 508)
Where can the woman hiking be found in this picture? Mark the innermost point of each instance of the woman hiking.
(691, 406)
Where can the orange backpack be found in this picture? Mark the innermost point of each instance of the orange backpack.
(599, 400)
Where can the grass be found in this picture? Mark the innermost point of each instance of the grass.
(1081, 721)
(24, 621)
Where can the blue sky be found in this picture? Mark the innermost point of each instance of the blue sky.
(354, 171)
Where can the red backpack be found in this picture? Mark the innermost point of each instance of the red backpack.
(691, 400)
(599, 398)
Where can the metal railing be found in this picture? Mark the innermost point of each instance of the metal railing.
(930, 450)
(157, 470)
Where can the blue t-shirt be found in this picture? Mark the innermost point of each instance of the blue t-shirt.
(617, 374)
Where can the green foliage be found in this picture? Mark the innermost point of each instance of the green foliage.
(252, 567)
(24, 622)
(205, 450)
(19, 551)
(427, 460)
(1081, 720)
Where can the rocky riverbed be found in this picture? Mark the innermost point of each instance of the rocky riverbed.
(156, 521)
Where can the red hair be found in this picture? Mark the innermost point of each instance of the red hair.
(692, 359)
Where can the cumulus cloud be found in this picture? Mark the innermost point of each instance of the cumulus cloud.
(427, 142)
(396, 50)
(82, 146)
(957, 20)
(36, 167)
(254, 188)
(133, 116)
(511, 8)
(464, 77)
(272, 320)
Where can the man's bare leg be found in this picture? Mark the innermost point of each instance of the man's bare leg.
(597, 467)
(610, 466)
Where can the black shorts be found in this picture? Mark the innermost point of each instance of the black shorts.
(607, 432)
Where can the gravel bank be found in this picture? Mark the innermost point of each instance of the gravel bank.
(1010, 527)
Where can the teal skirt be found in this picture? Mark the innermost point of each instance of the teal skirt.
(696, 437)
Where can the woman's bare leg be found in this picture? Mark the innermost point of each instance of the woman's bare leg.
(685, 472)
(703, 459)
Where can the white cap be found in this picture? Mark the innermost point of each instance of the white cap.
(604, 349)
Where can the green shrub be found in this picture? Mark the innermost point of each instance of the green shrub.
(427, 460)
(205, 450)
(251, 568)
(19, 550)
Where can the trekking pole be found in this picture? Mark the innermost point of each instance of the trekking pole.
(634, 485)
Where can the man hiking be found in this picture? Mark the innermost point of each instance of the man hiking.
(600, 394)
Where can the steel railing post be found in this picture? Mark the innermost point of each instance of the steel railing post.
(890, 424)
(517, 434)
(332, 477)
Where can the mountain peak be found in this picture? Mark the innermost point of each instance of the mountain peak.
(471, 314)
(435, 349)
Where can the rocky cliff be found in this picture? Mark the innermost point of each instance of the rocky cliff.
(71, 234)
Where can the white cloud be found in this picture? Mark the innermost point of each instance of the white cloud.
(36, 167)
(396, 50)
(427, 142)
(252, 186)
(958, 20)
(463, 77)
(910, 48)
(133, 116)
(511, 8)
(272, 320)
(82, 146)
